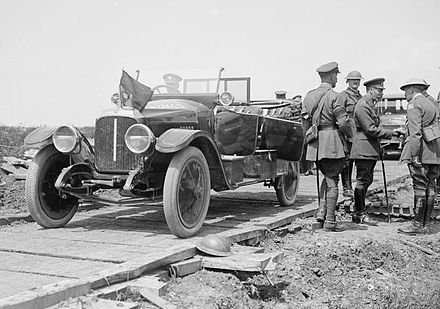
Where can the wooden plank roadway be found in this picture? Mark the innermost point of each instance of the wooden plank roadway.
(99, 244)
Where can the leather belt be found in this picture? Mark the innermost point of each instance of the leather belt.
(327, 127)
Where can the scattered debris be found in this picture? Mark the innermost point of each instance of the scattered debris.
(15, 167)
(186, 267)
(425, 250)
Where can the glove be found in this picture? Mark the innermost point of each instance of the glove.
(399, 131)
(416, 162)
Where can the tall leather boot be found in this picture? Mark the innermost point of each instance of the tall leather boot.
(330, 224)
(359, 216)
(322, 210)
(430, 201)
(418, 225)
(346, 181)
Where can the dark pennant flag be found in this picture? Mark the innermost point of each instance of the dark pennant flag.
(137, 93)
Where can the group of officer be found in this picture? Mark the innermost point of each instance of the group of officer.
(349, 132)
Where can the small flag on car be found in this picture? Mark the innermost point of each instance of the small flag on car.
(134, 93)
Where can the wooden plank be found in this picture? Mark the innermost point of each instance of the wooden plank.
(45, 296)
(94, 303)
(237, 235)
(71, 249)
(240, 262)
(48, 266)
(16, 161)
(186, 267)
(154, 282)
(18, 282)
(288, 216)
(238, 249)
(136, 267)
(13, 169)
(276, 259)
(156, 300)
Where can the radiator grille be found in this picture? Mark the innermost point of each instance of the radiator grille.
(112, 155)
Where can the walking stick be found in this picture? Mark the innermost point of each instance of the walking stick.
(385, 184)
(317, 185)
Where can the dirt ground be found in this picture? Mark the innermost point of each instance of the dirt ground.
(12, 200)
(363, 267)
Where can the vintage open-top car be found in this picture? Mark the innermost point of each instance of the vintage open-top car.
(392, 113)
(172, 142)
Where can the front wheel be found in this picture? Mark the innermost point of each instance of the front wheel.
(186, 192)
(47, 207)
(286, 186)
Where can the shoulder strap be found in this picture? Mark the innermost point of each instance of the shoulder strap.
(318, 107)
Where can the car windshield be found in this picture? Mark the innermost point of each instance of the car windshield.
(193, 81)
(392, 105)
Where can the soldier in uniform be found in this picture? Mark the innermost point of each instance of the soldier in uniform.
(328, 150)
(366, 145)
(421, 152)
(348, 98)
(173, 81)
(437, 104)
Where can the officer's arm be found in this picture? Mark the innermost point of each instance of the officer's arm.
(415, 129)
(342, 118)
(365, 118)
(305, 118)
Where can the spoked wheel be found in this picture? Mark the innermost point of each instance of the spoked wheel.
(186, 192)
(286, 186)
(47, 207)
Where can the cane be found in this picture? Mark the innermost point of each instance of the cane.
(385, 182)
(317, 185)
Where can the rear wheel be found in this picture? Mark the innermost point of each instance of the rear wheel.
(47, 207)
(286, 186)
(186, 192)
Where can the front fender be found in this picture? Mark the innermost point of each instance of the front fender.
(174, 140)
(42, 137)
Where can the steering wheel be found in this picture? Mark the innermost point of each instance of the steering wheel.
(173, 90)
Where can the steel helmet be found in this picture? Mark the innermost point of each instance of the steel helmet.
(354, 75)
(414, 81)
(215, 245)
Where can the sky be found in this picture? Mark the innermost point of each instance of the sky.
(61, 60)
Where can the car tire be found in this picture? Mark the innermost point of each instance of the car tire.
(186, 192)
(287, 186)
(47, 207)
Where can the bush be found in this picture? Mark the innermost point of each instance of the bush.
(12, 140)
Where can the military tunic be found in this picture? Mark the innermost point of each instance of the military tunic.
(422, 112)
(366, 142)
(348, 98)
(333, 124)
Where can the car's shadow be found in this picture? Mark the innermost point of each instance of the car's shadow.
(235, 211)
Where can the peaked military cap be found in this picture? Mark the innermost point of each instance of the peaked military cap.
(171, 77)
(414, 81)
(328, 68)
(280, 94)
(375, 82)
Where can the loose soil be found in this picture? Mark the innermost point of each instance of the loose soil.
(363, 267)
